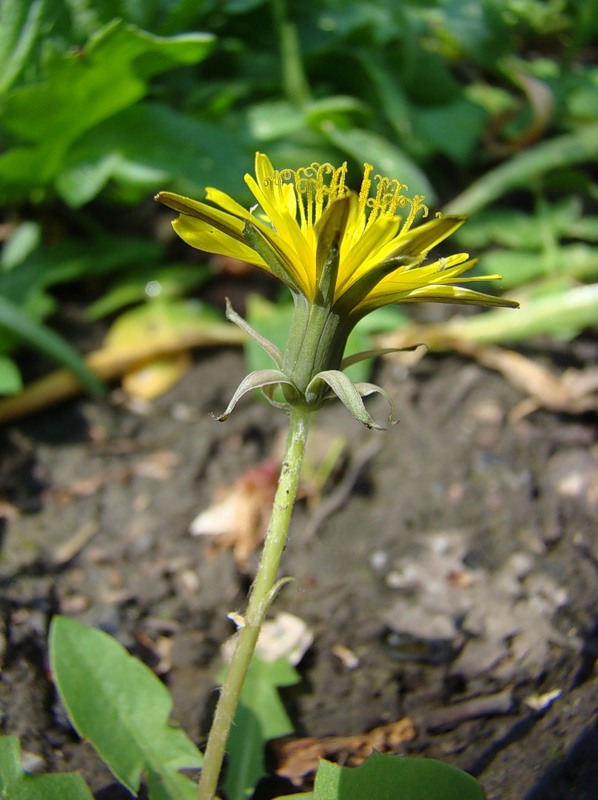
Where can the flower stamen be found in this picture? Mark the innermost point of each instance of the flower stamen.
(388, 199)
(315, 187)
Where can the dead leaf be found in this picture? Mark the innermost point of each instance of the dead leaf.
(345, 655)
(239, 514)
(111, 362)
(297, 759)
(154, 378)
(8, 511)
(159, 466)
(575, 391)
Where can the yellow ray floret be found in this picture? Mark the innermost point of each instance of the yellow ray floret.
(382, 249)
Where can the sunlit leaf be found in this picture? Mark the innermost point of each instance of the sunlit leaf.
(16, 784)
(81, 89)
(178, 151)
(119, 705)
(388, 777)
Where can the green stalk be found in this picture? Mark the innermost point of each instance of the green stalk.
(262, 593)
(524, 169)
(294, 79)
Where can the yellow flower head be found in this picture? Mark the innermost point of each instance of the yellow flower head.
(298, 213)
(342, 254)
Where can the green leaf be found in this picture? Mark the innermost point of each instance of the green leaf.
(514, 228)
(454, 129)
(20, 243)
(391, 96)
(10, 377)
(18, 32)
(170, 281)
(260, 716)
(519, 267)
(81, 89)
(70, 260)
(386, 158)
(13, 319)
(16, 784)
(274, 119)
(300, 796)
(123, 709)
(184, 153)
(85, 87)
(387, 777)
(341, 108)
(524, 169)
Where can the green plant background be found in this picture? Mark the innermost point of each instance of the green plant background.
(486, 106)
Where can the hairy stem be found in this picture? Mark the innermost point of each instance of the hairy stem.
(260, 598)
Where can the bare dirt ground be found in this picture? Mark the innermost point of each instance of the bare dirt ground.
(455, 582)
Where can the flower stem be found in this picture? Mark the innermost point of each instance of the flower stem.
(260, 597)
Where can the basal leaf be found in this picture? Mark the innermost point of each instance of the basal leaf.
(524, 169)
(119, 705)
(520, 267)
(388, 777)
(15, 784)
(274, 119)
(300, 796)
(562, 314)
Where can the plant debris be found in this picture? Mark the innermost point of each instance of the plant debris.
(297, 759)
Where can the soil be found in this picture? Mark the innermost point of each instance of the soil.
(460, 567)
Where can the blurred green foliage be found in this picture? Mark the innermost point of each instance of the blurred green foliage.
(485, 106)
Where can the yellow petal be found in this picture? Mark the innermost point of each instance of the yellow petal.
(228, 224)
(365, 252)
(208, 238)
(227, 203)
